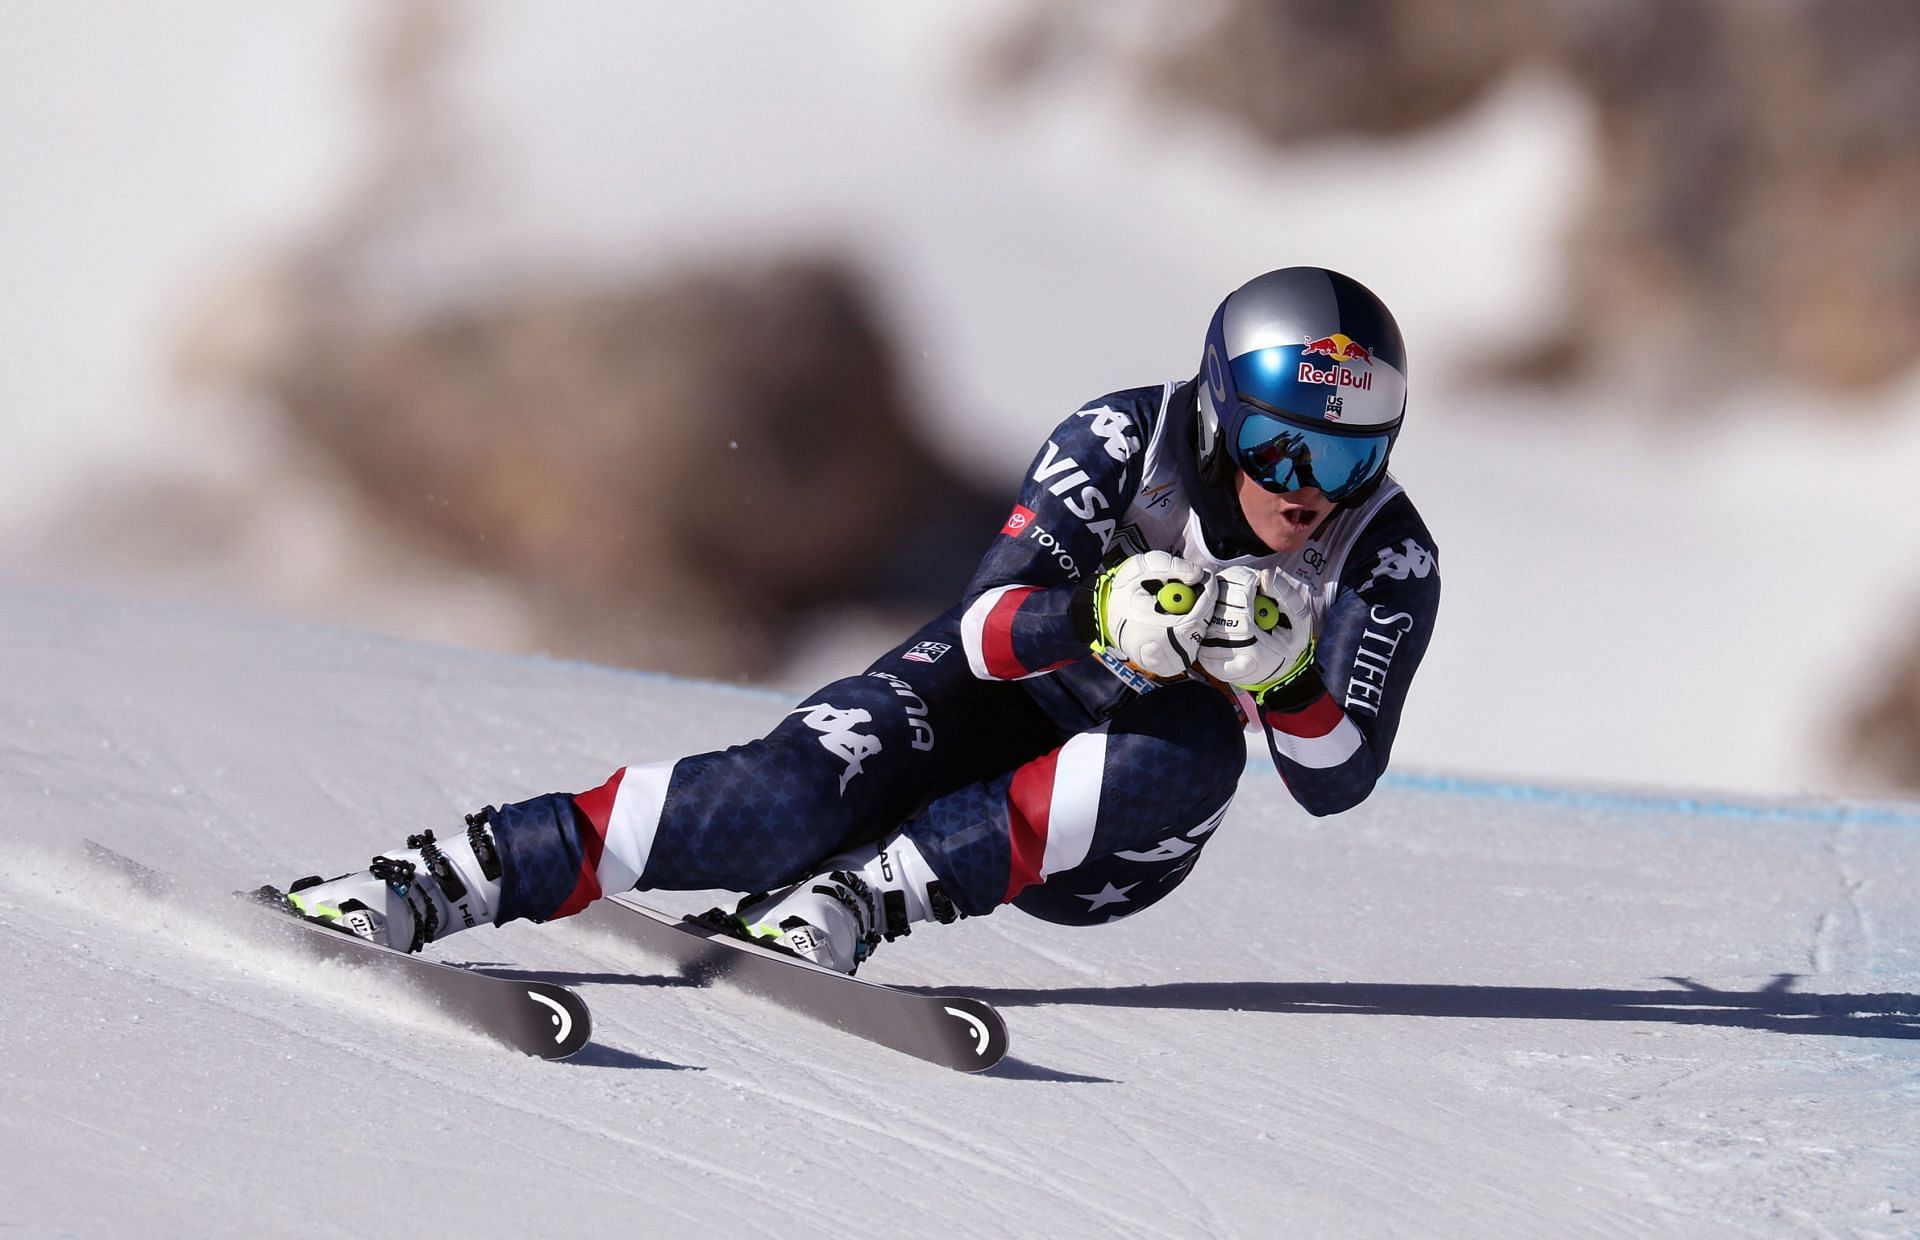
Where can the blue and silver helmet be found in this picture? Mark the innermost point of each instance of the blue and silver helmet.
(1304, 382)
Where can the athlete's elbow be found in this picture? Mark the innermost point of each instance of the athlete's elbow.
(1334, 799)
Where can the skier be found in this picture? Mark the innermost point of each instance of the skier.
(1183, 562)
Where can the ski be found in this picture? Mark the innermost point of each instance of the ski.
(953, 1031)
(536, 1018)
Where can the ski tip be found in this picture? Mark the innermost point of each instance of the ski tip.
(560, 1023)
(982, 1040)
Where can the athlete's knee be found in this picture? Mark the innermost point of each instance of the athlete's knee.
(1126, 882)
(1110, 889)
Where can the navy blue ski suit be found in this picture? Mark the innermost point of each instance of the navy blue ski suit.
(1026, 769)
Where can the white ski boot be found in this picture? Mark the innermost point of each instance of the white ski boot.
(410, 897)
(837, 918)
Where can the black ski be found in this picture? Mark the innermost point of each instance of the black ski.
(953, 1031)
(537, 1018)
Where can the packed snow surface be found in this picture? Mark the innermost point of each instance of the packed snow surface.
(1464, 1009)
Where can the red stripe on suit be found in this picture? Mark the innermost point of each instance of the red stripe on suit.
(996, 635)
(1029, 807)
(1322, 717)
(597, 808)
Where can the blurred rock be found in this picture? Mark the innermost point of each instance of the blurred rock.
(671, 472)
(1761, 166)
(663, 473)
(1882, 742)
(1760, 162)
(1754, 213)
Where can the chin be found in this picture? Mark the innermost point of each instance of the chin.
(1285, 539)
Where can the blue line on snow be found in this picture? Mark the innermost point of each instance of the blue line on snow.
(1656, 803)
(1834, 814)
(1811, 812)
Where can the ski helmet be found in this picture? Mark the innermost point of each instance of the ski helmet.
(1303, 384)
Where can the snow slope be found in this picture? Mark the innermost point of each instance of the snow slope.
(1466, 1009)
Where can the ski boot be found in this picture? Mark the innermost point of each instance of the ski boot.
(410, 897)
(862, 898)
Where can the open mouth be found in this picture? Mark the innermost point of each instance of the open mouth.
(1300, 518)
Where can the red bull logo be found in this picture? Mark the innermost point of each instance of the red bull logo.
(1335, 376)
(1339, 347)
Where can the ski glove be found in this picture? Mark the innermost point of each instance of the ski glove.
(1261, 632)
(1153, 609)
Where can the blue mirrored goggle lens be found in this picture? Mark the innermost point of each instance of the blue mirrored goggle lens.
(1284, 456)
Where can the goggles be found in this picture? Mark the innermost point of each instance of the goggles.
(1286, 456)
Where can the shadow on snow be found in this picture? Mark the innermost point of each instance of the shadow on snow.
(1776, 1007)
(563, 977)
(598, 1055)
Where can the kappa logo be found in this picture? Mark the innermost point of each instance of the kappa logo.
(836, 728)
(1415, 561)
(1115, 432)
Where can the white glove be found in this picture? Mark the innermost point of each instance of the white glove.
(1261, 633)
(1154, 609)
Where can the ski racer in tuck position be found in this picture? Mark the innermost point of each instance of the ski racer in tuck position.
(1184, 562)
